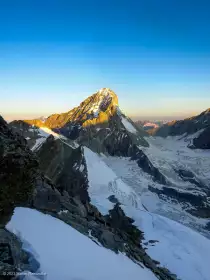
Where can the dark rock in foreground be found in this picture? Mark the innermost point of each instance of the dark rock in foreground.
(18, 169)
(13, 259)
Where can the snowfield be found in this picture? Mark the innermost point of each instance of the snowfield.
(103, 182)
(165, 154)
(138, 181)
(183, 251)
(66, 254)
(172, 152)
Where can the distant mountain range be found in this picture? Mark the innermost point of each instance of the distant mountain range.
(147, 125)
(198, 125)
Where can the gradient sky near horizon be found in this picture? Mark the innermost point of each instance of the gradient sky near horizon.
(154, 54)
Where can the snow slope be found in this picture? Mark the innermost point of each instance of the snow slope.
(66, 254)
(184, 252)
(172, 152)
(128, 125)
(103, 182)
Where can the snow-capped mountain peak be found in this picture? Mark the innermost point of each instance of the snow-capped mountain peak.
(98, 118)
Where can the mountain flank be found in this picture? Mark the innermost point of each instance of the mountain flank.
(199, 124)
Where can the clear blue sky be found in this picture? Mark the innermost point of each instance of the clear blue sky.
(155, 54)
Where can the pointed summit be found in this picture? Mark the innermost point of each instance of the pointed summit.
(97, 122)
(108, 93)
(94, 110)
(97, 108)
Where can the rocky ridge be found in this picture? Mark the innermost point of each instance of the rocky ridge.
(18, 173)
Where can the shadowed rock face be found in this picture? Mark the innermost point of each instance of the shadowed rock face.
(203, 140)
(119, 221)
(18, 169)
(188, 176)
(65, 166)
(29, 132)
(18, 172)
(12, 258)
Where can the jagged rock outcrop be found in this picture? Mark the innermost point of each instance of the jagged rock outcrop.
(65, 166)
(13, 259)
(120, 222)
(18, 170)
(18, 173)
(189, 176)
(30, 132)
(203, 140)
(199, 201)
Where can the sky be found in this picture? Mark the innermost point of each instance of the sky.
(155, 54)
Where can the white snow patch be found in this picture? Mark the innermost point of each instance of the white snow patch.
(66, 254)
(93, 238)
(38, 143)
(82, 167)
(44, 132)
(119, 112)
(63, 211)
(128, 125)
(183, 251)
